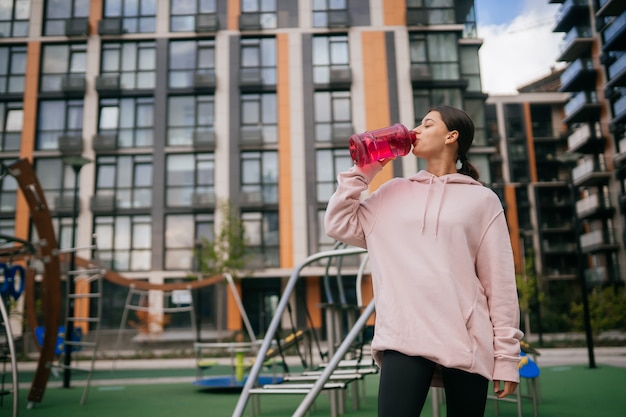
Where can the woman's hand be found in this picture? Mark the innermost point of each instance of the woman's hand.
(509, 388)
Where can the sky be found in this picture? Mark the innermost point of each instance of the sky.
(519, 46)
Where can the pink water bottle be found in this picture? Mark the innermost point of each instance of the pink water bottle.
(374, 145)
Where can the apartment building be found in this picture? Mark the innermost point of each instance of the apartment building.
(176, 106)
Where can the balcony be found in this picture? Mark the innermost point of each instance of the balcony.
(203, 200)
(570, 13)
(251, 136)
(614, 36)
(579, 75)
(611, 8)
(559, 248)
(591, 171)
(338, 19)
(619, 159)
(340, 76)
(340, 133)
(64, 204)
(416, 17)
(73, 84)
(207, 22)
(598, 241)
(250, 21)
(110, 26)
(249, 77)
(77, 26)
(253, 197)
(70, 144)
(585, 139)
(421, 72)
(577, 42)
(204, 80)
(102, 203)
(204, 139)
(108, 83)
(103, 143)
(582, 107)
(594, 206)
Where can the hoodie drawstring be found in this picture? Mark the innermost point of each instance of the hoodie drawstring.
(443, 190)
(430, 183)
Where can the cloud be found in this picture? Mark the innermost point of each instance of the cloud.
(521, 51)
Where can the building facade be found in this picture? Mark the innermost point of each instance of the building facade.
(181, 105)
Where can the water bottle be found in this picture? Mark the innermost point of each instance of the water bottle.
(374, 145)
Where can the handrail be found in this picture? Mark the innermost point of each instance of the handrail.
(273, 326)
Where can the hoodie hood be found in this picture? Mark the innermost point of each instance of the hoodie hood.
(428, 178)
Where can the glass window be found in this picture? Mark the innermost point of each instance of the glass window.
(14, 17)
(12, 69)
(128, 178)
(333, 115)
(322, 9)
(57, 181)
(8, 192)
(190, 180)
(189, 116)
(138, 16)
(430, 12)
(259, 118)
(7, 226)
(57, 118)
(261, 237)
(180, 243)
(131, 119)
(329, 53)
(189, 58)
(134, 62)
(266, 10)
(435, 54)
(470, 67)
(183, 13)
(329, 163)
(423, 100)
(11, 123)
(57, 12)
(258, 60)
(124, 242)
(259, 177)
(60, 62)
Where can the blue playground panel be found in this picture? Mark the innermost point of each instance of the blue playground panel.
(230, 383)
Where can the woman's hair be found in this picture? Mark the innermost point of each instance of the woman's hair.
(459, 120)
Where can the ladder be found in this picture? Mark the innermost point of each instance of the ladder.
(83, 312)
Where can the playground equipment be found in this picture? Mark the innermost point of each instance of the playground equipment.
(332, 376)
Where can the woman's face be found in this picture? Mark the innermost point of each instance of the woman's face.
(431, 136)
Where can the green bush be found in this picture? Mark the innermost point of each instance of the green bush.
(607, 310)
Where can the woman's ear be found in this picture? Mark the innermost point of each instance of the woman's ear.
(452, 136)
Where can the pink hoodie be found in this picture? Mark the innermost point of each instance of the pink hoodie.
(442, 268)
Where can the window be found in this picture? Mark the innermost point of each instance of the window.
(62, 64)
(8, 191)
(470, 67)
(133, 62)
(131, 119)
(434, 56)
(124, 242)
(423, 100)
(188, 118)
(333, 116)
(476, 110)
(14, 18)
(12, 69)
(259, 119)
(429, 12)
(57, 13)
(7, 226)
(57, 183)
(182, 232)
(261, 237)
(328, 13)
(58, 118)
(138, 16)
(11, 123)
(329, 163)
(259, 177)
(127, 178)
(331, 57)
(184, 13)
(258, 61)
(190, 180)
(261, 12)
(191, 62)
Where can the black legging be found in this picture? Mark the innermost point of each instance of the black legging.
(404, 384)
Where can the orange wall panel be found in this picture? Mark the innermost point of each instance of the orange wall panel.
(530, 143)
(285, 213)
(313, 301)
(233, 315)
(513, 222)
(233, 12)
(394, 12)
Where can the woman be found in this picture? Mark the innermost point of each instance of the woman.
(443, 273)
